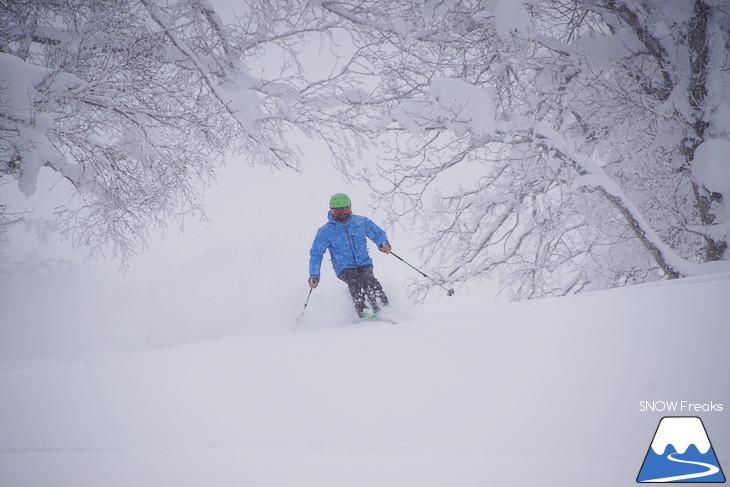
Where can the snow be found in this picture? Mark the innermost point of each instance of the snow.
(679, 10)
(471, 107)
(711, 165)
(406, 114)
(595, 176)
(18, 86)
(358, 95)
(34, 158)
(711, 169)
(549, 389)
(602, 52)
(511, 16)
(240, 96)
(399, 26)
(435, 9)
(17, 95)
(192, 370)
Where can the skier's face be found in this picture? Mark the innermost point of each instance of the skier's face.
(342, 213)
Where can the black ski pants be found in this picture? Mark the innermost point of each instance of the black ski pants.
(364, 286)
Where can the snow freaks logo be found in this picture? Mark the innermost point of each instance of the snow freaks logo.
(680, 452)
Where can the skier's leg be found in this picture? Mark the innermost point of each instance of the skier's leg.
(352, 278)
(373, 289)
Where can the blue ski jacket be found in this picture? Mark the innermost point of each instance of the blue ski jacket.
(346, 243)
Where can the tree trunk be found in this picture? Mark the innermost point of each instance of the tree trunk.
(699, 52)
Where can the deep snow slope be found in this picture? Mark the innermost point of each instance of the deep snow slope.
(538, 393)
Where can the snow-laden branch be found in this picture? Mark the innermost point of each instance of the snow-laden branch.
(135, 102)
(244, 120)
(623, 95)
(202, 70)
(593, 176)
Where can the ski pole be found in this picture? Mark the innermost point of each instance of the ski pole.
(306, 303)
(449, 291)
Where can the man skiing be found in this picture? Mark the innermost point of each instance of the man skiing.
(344, 236)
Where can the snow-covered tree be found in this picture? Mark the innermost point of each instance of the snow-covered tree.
(570, 145)
(134, 102)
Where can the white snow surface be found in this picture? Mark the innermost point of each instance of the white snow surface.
(536, 393)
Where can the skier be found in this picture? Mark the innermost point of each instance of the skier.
(344, 236)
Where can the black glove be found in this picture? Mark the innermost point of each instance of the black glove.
(313, 281)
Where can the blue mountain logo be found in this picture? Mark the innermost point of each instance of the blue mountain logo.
(681, 452)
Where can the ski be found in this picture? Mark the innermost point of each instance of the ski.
(376, 317)
(387, 320)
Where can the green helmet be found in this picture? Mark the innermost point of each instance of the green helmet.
(340, 200)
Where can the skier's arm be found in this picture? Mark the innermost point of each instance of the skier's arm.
(377, 235)
(319, 246)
